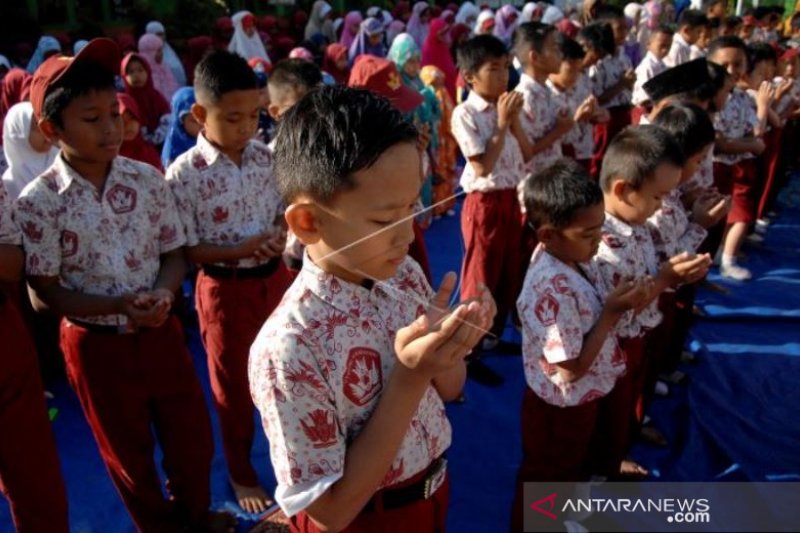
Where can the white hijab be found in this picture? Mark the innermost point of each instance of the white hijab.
(24, 163)
(171, 58)
(467, 14)
(247, 47)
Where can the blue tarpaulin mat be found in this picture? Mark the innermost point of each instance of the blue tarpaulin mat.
(738, 418)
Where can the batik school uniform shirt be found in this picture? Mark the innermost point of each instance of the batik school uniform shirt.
(538, 117)
(105, 243)
(317, 371)
(223, 204)
(473, 125)
(627, 253)
(650, 67)
(9, 233)
(606, 73)
(679, 53)
(737, 120)
(704, 177)
(671, 230)
(558, 306)
(581, 136)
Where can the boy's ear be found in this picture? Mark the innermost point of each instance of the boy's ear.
(274, 111)
(619, 188)
(49, 130)
(199, 113)
(469, 77)
(302, 218)
(545, 234)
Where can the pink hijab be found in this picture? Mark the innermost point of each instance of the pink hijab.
(505, 22)
(436, 52)
(163, 79)
(351, 21)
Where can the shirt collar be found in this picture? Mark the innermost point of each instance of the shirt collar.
(618, 226)
(211, 153)
(66, 175)
(678, 37)
(477, 101)
(344, 295)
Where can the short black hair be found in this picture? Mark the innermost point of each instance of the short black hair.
(635, 154)
(689, 125)
(329, 135)
(694, 18)
(221, 72)
(530, 36)
(758, 52)
(570, 49)
(472, 54)
(663, 28)
(81, 79)
(726, 41)
(708, 4)
(295, 74)
(599, 37)
(714, 23)
(554, 195)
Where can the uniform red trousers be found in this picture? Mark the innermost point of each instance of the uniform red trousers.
(741, 181)
(490, 223)
(770, 166)
(231, 313)
(626, 395)
(423, 515)
(134, 389)
(30, 475)
(604, 133)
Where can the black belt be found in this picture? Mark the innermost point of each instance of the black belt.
(106, 329)
(422, 489)
(261, 271)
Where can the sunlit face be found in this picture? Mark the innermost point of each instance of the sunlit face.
(659, 44)
(733, 59)
(635, 206)
(92, 128)
(549, 58)
(693, 163)
(136, 74)
(568, 73)
(491, 79)
(377, 214)
(230, 122)
(579, 240)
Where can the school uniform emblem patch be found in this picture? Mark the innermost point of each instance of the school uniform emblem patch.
(122, 199)
(547, 310)
(363, 376)
(69, 243)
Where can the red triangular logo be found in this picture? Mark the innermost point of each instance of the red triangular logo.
(551, 499)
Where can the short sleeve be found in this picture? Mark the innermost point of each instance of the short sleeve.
(466, 133)
(183, 197)
(554, 324)
(171, 235)
(36, 215)
(9, 233)
(297, 405)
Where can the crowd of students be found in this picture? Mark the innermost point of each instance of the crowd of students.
(606, 157)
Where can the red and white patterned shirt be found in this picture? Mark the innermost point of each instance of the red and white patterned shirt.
(737, 120)
(679, 52)
(473, 124)
(222, 204)
(606, 73)
(9, 232)
(704, 177)
(538, 116)
(581, 136)
(649, 68)
(627, 253)
(317, 370)
(671, 230)
(558, 306)
(105, 243)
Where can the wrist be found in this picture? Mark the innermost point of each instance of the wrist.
(410, 380)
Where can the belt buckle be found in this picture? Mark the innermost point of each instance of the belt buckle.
(435, 480)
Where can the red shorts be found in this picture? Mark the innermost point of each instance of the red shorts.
(741, 181)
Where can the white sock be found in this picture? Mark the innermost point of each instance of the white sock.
(728, 260)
